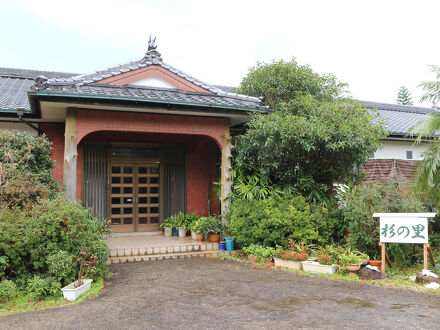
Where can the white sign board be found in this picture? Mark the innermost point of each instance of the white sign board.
(403, 230)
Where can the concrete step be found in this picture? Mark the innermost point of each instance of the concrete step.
(157, 257)
(163, 250)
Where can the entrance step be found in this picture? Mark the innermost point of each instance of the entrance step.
(157, 257)
(163, 250)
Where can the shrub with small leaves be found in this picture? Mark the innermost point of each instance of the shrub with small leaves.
(292, 255)
(61, 266)
(41, 287)
(261, 252)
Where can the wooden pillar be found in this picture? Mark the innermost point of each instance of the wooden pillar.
(70, 155)
(383, 251)
(425, 256)
(226, 168)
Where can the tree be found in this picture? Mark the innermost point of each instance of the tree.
(313, 138)
(429, 175)
(404, 96)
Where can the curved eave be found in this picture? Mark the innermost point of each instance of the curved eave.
(137, 100)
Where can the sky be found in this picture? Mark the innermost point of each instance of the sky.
(374, 46)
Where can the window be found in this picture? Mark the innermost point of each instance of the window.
(409, 155)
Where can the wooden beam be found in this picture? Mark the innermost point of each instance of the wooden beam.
(430, 255)
(226, 168)
(425, 256)
(70, 155)
(382, 247)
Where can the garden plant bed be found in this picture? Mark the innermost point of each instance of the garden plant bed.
(397, 279)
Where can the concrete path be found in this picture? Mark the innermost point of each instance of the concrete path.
(208, 293)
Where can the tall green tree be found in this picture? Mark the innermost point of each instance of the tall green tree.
(429, 175)
(313, 137)
(404, 96)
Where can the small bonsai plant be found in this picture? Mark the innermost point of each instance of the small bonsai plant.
(297, 252)
(326, 255)
(86, 264)
(351, 257)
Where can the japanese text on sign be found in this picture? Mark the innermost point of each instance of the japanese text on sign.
(403, 230)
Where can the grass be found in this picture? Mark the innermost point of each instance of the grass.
(22, 303)
(396, 278)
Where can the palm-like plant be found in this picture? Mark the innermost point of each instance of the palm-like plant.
(430, 172)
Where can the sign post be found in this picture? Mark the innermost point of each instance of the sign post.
(404, 228)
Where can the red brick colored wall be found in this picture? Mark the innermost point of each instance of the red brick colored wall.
(55, 134)
(91, 121)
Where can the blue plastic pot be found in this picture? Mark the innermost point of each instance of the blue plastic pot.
(229, 244)
(175, 231)
(221, 246)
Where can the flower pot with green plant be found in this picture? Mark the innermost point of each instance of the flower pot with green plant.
(212, 227)
(167, 226)
(292, 257)
(351, 260)
(191, 221)
(258, 253)
(182, 224)
(326, 264)
(197, 227)
(87, 262)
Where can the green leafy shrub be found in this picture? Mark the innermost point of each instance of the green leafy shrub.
(8, 290)
(292, 255)
(210, 224)
(274, 221)
(389, 196)
(32, 239)
(42, 287)
(60, 264)
(21, 153)
(261, 252)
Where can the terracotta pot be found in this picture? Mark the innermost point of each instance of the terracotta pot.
(214, 237)
(200, 237)
(352, 269)
(377, 263)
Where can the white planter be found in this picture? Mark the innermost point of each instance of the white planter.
(71, 293)
(288, 263)
(194, 235)
(182, 232)
(168, 231)
(317, 268)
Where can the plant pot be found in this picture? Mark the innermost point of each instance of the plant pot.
(193, 235)
(182, 232)
(175, 231)
(352, 269)
(377, 263)
(229, 244)
(316, 268)
(71, 293)
(214, 237)
(200, 237)
(168, 231)
(222, 246)
(288, 263)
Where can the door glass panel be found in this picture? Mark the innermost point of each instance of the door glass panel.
(154, 210)
(143, 221)
(128, 169)
(128, 190)
(116, 221)
(116, 200)
(128, 179)
(116, 169)
(116, 179)
(128, 210)
(128, 200)
(128, 221)
(154, 220)
(116, 190)
(143, 210)
(143, 180)
(154, 170)
(142, 170)
(116, 210)
(154, 180)
(154, 200)
(142, 190)
(154, 190)
(143, 200)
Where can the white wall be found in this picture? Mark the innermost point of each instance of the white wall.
(17, 126)
(398, 149)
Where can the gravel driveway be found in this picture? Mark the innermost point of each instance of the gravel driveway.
(210, 293)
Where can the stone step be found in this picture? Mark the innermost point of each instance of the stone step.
(156, 257)
(164, 250)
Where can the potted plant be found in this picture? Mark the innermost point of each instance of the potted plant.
(326, 264)
(351, 260)
(197, 227)
(86, 264)
(167, 226)
(181, 223)
(293, 257)
(212, 227)
(191, 219)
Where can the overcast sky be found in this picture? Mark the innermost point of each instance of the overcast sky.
(374, 46)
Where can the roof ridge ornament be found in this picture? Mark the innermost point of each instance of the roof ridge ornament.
(152, 54)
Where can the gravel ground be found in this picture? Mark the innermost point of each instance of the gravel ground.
(210, 293)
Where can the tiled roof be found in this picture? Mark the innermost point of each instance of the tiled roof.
(398, 119)
(151, 94)
(14, 85)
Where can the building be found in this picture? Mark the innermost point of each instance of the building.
(135, 143)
